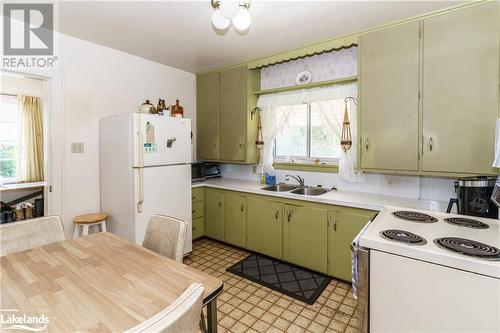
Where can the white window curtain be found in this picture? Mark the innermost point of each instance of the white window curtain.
(330, 102)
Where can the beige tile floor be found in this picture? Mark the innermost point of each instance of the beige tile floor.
(245, 306)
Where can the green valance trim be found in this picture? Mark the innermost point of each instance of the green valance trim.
(308, 51)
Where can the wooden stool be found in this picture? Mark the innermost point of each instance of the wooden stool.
(83, 222)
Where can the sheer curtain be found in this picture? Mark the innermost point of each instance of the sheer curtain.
(330, 102)
(30, 157)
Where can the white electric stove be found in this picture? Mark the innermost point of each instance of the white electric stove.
(428, 272)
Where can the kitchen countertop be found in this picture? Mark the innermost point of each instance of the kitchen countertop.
(370, 201)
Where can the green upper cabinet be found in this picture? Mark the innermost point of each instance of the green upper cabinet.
(429, 95)
(214, 214)
(389, 78)
(232, 114)
(345, 224)
(461, 88)
(207, 116)
(306, 237)
(264, 226)
(235, 218)
(235, 130)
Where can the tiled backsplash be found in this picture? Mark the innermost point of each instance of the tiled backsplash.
(402, 186)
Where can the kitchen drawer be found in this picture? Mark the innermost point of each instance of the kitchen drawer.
(198, 227)
(198, 209)
(198, 194)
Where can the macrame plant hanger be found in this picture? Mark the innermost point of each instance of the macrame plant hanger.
(259, 142)
(346, 137)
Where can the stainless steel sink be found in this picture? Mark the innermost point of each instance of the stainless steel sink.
(310, 191)
(280, 187)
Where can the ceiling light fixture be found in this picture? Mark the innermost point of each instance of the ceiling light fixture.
(241, 21)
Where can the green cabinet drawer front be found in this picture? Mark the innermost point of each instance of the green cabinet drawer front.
(198, 209)
(198, 227)
(214, 214)
(235, 219)
(306, 237)
(345, 224)
(197, 194)
(264, 226)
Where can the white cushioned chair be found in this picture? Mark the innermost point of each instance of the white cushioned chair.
(28, 234)
(166, 235)
(183, 315)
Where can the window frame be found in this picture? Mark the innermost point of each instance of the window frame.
(304, 159)
(14, 179)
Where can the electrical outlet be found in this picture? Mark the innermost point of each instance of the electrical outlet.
(77, 147)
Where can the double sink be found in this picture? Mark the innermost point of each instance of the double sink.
(300, 190)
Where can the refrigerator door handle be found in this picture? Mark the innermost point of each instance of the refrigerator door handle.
(141, 190)
(140, 149)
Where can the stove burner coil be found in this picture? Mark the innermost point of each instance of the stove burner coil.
(469, 247)
(414, 216)
(403, 236)
(464, 222)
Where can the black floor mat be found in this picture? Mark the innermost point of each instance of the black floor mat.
(291, 280)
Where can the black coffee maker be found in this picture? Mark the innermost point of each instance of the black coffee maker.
(474, 197)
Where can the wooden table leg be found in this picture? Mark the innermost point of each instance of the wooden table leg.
(212, 316)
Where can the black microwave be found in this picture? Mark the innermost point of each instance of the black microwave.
(201, 171)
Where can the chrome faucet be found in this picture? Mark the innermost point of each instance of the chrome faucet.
(297, 178)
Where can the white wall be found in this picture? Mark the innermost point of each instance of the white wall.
(99, 82)
(402, 186)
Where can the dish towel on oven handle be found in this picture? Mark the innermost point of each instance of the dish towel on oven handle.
(354, 260)
(496, 162)
(354, 268)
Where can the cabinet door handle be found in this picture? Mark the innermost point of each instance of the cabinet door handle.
(241, 145)
(289, 217)
(193, 211)
(215, 143)
(194, 228)
(242, 207)
(193, 198)
(430, 144)
(220, 203)
(277, 215)
(367, 144)
(335, 226)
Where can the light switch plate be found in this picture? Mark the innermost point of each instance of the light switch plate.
(77, 147)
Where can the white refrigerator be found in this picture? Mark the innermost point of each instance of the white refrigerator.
(145, 169)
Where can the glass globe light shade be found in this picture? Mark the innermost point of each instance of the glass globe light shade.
(219, 21)
(242, 20)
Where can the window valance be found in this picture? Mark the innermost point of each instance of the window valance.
(320, 48)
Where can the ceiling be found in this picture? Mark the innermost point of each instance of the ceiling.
(180, 34)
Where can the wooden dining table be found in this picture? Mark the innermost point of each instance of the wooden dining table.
(98, 283)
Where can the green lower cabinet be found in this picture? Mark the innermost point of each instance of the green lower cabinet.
(306, 237)
(214, 214)
(235, 219)
(264, 226)
(345, 224)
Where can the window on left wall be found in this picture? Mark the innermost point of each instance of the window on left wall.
(9, 139)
